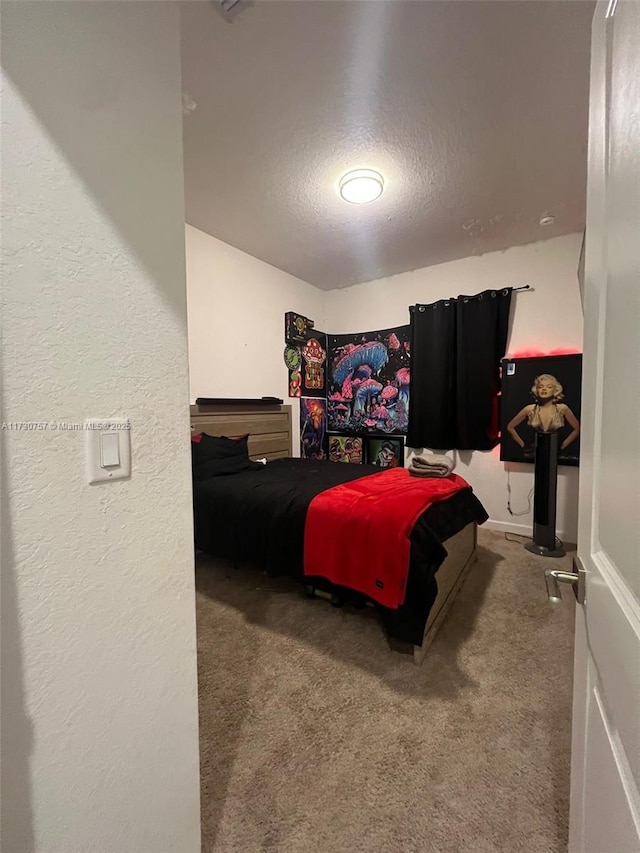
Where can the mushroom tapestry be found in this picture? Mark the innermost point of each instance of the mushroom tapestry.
(369, 382)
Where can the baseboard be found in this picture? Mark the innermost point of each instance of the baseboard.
(517, 529)
(508, 527)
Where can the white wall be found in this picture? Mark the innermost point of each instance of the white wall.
(99, 700)
(236, 307)
(546, 319)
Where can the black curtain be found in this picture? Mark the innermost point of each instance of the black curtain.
(456, 348)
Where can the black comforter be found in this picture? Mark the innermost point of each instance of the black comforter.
(258, 517)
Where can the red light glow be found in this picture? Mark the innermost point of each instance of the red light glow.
(536, 353)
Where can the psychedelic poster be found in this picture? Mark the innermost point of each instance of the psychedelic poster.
(313, 368)
(296, 327)
(369, 382)
(345, 448)
(385, 452)
(293, 360)
(305, 356)
(313, 428)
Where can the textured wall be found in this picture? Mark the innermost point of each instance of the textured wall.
(548, 318)
(236, 321)
(99, 719)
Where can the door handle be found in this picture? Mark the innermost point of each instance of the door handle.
(554, 577)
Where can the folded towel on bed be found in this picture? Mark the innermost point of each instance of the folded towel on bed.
(431, 465)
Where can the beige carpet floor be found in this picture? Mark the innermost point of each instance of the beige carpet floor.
(317, 738)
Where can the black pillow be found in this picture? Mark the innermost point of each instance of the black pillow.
(220, 447)
(215, 456)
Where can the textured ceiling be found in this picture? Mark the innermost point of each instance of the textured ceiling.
(474, 112)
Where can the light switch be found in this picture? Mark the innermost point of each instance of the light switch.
(108, 446)
(109, 449)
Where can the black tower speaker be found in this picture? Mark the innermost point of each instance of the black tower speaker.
(544, 497)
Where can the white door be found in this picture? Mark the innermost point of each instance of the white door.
(605, 783)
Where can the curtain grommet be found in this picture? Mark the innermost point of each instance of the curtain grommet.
(421, 308)
(479, 296)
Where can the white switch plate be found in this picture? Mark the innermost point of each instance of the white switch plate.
(101, 454)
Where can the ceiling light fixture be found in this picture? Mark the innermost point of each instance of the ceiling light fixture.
(547, 219)
(361, 186)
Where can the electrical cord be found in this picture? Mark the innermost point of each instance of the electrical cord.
(514, 539)
(511, 511)
(558, 543)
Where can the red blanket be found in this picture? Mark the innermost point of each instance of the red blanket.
(357, 534)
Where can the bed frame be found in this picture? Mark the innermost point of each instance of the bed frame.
(270, 437)
(269, 426)
(461, 555)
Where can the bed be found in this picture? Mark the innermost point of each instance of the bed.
(258, 516)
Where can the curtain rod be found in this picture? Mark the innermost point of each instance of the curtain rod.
(467, 298)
